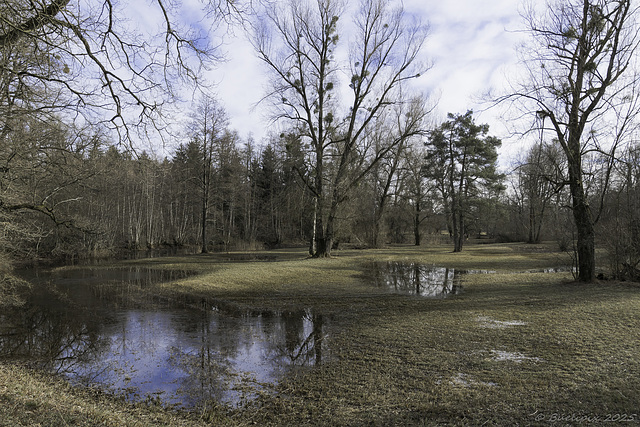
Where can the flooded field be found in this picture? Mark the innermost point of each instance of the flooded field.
(97, 327)
(72, 325)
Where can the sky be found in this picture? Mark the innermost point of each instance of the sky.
(471, 44)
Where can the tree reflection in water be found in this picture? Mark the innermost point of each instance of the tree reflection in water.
(176, 356)
(49, 331)
(416, 279)
(237, 355)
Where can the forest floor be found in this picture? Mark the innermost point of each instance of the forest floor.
(517, 347)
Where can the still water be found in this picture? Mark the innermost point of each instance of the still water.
(416, 279)
(78, 326)
(98, 327)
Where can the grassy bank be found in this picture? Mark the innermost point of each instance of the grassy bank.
(517, 347)
(28, 398)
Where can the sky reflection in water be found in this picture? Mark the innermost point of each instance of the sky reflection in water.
(187, 357)
(177, 356)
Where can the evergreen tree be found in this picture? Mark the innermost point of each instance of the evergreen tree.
(461, 157)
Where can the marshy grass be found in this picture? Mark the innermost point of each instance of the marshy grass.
(517, 347)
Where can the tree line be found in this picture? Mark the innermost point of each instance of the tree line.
(70, 194)
(359, 161)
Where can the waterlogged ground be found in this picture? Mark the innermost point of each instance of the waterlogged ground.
(84, 324)
(412, 278)
(76, 324)
(521, 344)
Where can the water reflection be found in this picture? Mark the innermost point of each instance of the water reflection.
(73, 278)
(416, 279)
(188, 358)
(177, 356)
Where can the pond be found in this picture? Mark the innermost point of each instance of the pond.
(429, 281)
(96, 326)
(416, 279)
(75, 325)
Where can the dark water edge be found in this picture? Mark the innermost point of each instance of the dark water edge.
(105, 257)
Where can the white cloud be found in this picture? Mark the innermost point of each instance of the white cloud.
(240, 85)
(471, 44)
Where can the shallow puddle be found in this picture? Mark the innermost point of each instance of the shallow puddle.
(175, 356)
(416, 279)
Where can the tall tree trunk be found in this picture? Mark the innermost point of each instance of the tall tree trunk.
(416, 224)
(206, 182)
(377, 220)
(455, 225)
(375, 239)
(532, 221)
(323, 232)
(585, 245)
(203, 224)
(458, 231)
(585, 242)
(314, 232)
(325, 243)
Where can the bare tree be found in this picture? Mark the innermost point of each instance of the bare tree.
(621, 221)
(415, 190)
(88, 60)
(403, 124)
(539, 178)
(582, 82)
(208, 123)
(298, 41)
